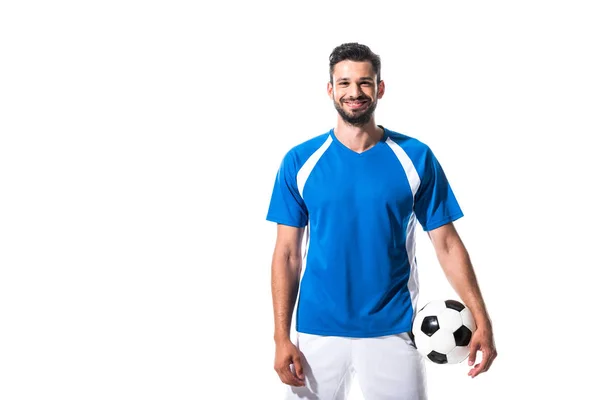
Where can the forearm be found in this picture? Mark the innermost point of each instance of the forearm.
(457, 266)
(285, 280)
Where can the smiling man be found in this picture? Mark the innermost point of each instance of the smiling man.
(356, 193)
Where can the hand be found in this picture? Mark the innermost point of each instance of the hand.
(286, 353)
(483, 341)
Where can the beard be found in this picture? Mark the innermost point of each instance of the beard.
(359, 118)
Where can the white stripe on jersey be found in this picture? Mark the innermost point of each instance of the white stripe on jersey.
(414, 181)
(308, 166)
(407, 164)
(413, 279)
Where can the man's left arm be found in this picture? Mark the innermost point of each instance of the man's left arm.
(454, 259)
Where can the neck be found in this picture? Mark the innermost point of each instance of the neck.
(358, 138)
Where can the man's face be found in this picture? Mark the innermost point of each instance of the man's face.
(355, 91)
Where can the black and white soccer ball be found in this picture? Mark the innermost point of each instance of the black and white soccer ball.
(442, 331)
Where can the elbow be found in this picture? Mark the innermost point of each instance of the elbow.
(288, 259)
(294, 262)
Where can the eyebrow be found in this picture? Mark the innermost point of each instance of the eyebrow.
(363, 79)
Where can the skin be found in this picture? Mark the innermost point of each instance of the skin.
(454, 259)
(285, 279)
(355, 80)
(354, 89)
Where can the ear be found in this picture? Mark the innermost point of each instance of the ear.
(380, 89)
(330, 90)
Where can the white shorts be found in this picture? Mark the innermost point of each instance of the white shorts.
(387, 368)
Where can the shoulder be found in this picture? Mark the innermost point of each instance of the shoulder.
(408, 143)
(298, 154)
(310, 146)
(419, 153)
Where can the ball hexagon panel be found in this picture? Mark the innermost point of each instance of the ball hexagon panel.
(443, 341)
(457, 355)
(433, 307)
(450, 319)
(423, 343)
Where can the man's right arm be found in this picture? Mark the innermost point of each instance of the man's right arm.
(285, 279)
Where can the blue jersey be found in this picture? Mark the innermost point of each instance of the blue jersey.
(360, 210)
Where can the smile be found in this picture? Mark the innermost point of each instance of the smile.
(356, 104)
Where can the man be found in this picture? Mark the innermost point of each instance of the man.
(358, 191)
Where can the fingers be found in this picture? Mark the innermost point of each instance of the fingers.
(289, 378)
(298, 368)
(473, 352)
(291, 374)
(488, 356)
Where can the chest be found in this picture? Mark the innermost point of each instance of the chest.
(358, 183)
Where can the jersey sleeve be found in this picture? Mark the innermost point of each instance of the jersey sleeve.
(435, 203)
(287, 206)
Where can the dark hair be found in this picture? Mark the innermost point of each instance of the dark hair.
(354, 52)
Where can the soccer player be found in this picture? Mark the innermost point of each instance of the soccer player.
(356, 194)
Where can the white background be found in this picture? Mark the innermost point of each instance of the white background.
(139, 145)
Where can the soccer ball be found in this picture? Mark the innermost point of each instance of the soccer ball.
(442, 331)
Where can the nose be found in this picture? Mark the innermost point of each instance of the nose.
(354, 90)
